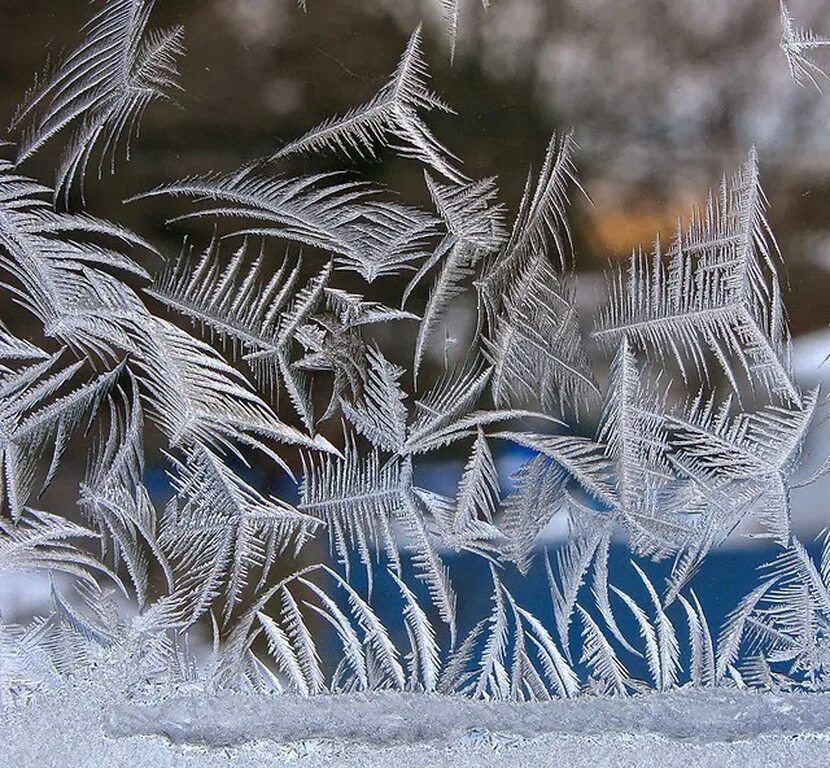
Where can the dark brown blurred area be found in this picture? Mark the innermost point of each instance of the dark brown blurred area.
(665, 96)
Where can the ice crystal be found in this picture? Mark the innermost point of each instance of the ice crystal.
(198, 355)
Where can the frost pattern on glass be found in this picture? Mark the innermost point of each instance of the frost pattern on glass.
(675, 475)
(798, 45)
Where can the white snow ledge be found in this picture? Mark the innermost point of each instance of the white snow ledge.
(390, 719)
(80, 728)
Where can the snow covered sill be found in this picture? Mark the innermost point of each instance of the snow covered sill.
(389, 719)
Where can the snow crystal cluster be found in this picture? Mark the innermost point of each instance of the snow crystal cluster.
(230, 363)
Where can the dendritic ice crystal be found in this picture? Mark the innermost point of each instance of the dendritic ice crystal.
(243, 430)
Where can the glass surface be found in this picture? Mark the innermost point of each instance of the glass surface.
(665, 97)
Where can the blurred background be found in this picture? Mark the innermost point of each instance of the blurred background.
(665, 97)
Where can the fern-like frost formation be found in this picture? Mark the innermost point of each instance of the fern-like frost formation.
(297, 442)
